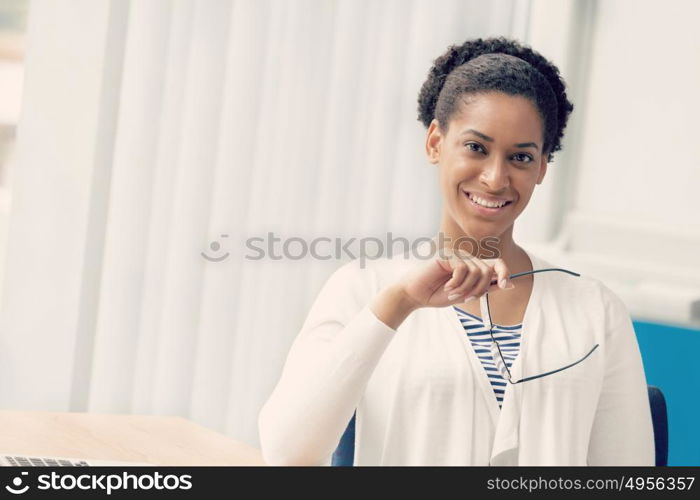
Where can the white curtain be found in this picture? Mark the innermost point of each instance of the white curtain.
(153, 131)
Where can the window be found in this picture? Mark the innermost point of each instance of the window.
(13, 21)
(13, 16)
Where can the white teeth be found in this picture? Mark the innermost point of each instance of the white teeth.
(484, 203)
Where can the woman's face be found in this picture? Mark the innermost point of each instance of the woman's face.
(491, 153)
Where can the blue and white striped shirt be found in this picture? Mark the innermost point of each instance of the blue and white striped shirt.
(508, 338)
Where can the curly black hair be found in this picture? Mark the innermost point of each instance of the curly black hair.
(496, 65)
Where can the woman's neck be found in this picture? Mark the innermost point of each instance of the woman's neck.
(485, 246)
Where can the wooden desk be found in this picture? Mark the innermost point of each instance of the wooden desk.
(139, 438)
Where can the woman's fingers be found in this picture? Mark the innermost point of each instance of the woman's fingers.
(469, 272)
(459, 272)
(463, 275)
(467, 284)
(503, 274)
(472, 277)
(484, 283)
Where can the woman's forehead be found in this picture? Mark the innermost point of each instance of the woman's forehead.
(498, 115)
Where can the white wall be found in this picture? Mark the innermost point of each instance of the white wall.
(629, 176)
(639, 157)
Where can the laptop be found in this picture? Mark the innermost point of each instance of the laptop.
(17, 460)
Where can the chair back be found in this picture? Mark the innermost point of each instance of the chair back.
(344, 454)
(659, 418)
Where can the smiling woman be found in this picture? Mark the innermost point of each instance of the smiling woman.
(494, 173)
(403, 350)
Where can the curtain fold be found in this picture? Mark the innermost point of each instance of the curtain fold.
(121, 294)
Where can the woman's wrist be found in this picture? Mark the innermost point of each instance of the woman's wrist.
(392, 306)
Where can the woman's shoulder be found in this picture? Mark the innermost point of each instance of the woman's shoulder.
(585, 290)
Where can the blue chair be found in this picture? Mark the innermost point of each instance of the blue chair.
(659, 418)
(344, 454)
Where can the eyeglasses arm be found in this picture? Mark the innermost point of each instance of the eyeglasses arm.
(559, 369)
(517, 275)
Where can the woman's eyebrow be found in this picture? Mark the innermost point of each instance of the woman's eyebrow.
(490, 139)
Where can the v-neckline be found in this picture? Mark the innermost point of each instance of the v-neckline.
(516, 368)
(496, 325)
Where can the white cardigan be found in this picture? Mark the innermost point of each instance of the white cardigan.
(423, 398)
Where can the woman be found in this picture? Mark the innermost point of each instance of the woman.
(542, 369)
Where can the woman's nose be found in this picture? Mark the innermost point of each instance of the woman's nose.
(495, 174)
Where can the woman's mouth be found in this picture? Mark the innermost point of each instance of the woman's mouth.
(485, 207)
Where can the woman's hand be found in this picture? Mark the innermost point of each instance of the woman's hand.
(453, 278)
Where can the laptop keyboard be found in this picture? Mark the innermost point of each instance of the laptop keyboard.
(20, 461)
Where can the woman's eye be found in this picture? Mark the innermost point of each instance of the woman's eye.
(472, 146)
(522, 157)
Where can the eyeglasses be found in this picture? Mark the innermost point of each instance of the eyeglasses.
(496, 353)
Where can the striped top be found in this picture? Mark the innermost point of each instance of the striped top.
(508, 338)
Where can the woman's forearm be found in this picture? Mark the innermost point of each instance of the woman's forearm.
(322, 383)
(392, 306)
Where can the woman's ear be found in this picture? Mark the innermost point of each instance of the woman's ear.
(433, 142)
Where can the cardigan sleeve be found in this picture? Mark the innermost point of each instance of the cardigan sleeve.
(622, 432)
(325, 373)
